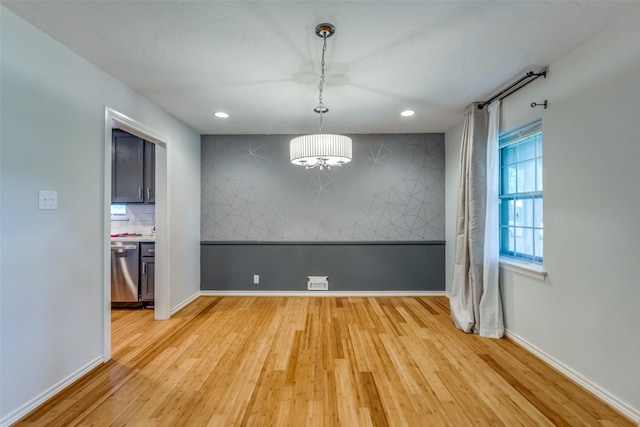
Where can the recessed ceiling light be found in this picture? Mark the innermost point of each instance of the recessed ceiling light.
(407, 113)
(221, 115)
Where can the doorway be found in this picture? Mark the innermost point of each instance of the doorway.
(115, 119)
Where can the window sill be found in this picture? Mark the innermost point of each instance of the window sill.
(536, 271)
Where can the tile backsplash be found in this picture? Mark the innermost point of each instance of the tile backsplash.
(139, 219)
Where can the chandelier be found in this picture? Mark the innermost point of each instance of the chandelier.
(321, 150)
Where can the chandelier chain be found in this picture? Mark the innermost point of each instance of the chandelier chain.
(321, 82)
(321, 108)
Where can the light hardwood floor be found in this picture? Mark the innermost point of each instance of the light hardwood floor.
(293, 361)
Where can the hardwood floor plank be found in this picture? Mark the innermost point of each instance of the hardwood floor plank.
(374, 403)
(349, 361)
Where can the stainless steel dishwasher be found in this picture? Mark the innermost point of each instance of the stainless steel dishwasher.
(124, 273)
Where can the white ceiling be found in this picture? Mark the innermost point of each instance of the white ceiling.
(260, 61)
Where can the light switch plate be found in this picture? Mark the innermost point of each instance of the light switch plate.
(47, 200)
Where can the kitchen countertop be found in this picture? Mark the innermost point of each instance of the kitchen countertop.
(142, 238)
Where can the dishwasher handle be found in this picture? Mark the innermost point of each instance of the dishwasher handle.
(123, 248)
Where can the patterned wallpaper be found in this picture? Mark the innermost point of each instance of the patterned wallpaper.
(392, 190)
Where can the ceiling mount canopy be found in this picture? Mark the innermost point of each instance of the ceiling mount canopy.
(321, 150)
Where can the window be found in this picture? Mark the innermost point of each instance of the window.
(521, 223)
(118, 210)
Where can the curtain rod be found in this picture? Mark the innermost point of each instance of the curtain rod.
(513, 87)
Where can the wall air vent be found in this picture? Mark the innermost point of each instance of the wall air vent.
(317, 283)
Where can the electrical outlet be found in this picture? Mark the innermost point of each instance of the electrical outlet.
(256, 279)
(47, 200)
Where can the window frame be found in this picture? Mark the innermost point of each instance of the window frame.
(515, 194)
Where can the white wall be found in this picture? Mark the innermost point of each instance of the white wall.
(52, 127)
(584, 316)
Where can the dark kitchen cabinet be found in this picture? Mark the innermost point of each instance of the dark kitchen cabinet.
(147, 273)
(132, 169)
(149, 182)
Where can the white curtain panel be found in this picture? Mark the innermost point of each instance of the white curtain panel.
(466, 288)
(490, 322)
(475, 303)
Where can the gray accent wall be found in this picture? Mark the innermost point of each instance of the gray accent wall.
(351, 266)
(393, 190)
(376, 224)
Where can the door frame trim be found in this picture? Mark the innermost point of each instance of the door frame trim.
(113, 118)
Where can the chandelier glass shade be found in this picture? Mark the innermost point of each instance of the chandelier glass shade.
(321, 150)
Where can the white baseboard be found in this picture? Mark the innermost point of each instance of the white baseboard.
(23, 410)
(184, 303)
(603, 394)
(324, 293)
